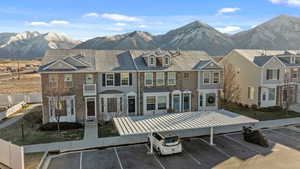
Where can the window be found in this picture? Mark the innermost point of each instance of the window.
(186, 102)
(167, 60)
(206, 77)
(171, 78)
(251, 93)
(201, 100)
(53, 81)
(176, 102)
(125, 79)
(160, 78)
(186, 76)
(211, 99)
(109, 79)
(161, 102)
(264, 96)
(272, 74)
(272, 94)
(89, 79)
(148, 79)
(68, 81)
(216, 79)
(152, 60)
(293, 59)
(102, 105)
(72, 106)
(112, 105)
(150, 101)
(294, 73)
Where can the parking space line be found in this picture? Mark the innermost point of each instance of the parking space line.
(284, 135)
(118, 158)
(80, 162)
(155, 157)
(240, 143)
(194, 158)
(217, 148)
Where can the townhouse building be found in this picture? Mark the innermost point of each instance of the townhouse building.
(101, 84)
(266, 78)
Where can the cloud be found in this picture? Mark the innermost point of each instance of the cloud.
(92, 14)
(52, 23)
(253, 26)
(39, 24)
(142, 26)
(57, 22)
(118, 17)
(289, 2)
(120, 24)
(229, 29)
(227, 10)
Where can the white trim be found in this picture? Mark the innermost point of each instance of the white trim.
(263, 66)
(166, 94)
(149, 58)
(85, 102)
(77, 60)
(190, 100)
(168, 74)
(57, 61)
(135, 102)
(163, 78)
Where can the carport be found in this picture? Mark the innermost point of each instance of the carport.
(179, 121)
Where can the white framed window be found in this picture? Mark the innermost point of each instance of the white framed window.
(216, 77)
(176, 101)
(151, 103)
(200, 100)
(251, 93)
(171, 78)
(273, 74)
(110, 79)
(125, 79)
(160, 78)
(148, 79)
(186, 101)
(89, 79)
(167, 60)
(53, 80)
(206, 77)
(68, 81)
(294, 73)
(161, 102)
(152, 61)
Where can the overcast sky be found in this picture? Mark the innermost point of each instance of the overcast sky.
(90, 18)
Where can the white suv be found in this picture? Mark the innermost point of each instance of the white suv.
(165, 143)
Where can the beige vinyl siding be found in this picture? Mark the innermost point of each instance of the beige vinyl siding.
(249, 76)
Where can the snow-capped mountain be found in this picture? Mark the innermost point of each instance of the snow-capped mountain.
(133, 40)
(32, 44)
(282, 32)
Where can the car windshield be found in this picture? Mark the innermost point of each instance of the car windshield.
(171, 139)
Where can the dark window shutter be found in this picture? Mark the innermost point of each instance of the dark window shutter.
(268, 74)
(130, 79)
(103, 79)
(117, 79)
(278, 74)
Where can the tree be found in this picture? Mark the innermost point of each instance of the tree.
(231, 90)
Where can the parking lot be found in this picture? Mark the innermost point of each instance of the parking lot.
(230, 152)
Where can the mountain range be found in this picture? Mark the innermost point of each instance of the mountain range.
(280, 33)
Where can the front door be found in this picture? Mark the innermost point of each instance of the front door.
(131, 105)
(90, 108)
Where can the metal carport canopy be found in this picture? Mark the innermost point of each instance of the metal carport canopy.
(178, 121)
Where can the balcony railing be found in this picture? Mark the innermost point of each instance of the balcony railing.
(89, 90)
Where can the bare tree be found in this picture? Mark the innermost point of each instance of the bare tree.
(231, 90)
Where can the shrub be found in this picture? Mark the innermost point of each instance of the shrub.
(63, 126)
(271, 109)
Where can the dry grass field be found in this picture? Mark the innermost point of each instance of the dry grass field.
(28, 83)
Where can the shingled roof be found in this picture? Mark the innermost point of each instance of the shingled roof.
(120, 60)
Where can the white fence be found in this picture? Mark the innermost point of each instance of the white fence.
(11, 110)
(11, 155)
(12, 99)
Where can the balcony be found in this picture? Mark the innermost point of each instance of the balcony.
(89, 90)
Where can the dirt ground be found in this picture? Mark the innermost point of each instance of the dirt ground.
(28, 83)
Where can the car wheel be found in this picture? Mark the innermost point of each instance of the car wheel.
(148, 143)
(159, 152)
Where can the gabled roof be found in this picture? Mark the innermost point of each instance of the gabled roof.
(59, 65)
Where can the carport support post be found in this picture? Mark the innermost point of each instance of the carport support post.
(211, 136)
(151, 142)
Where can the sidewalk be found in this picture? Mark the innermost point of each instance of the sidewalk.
(90, 131)
(19, 116)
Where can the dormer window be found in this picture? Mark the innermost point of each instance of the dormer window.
(151, 61)
(167, 60)
(293, 59)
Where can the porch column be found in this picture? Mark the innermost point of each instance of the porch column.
(211, 136)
